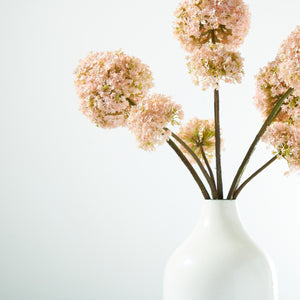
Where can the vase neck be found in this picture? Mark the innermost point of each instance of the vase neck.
(220, 214)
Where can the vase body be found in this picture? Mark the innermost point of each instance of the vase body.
(219, 261)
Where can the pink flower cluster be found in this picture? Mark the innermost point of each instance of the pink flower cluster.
(113, 90)
(197, 133)
(149, 119)
(108, 84)
(211, 30)
(269, 88)
(218, 21)
(286, 140)
(272, 83)
(289, 56)
(212, 63)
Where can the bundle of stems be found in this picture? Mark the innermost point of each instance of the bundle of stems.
(215, 181)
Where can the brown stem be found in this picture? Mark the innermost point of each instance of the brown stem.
(215, 195)
(131, 102)
(275, 111)
(213, 36)
(199, 163)
(190, 168)
(236, 193)
(218, 144)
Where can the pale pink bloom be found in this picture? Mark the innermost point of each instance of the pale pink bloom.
(108, 84)
(212, 63)
(285, 138)
(289, 55)
(197, 133)
(269, 88)
(148, 119)
(201, 21)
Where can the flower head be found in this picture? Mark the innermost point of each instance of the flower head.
(149, 119)
(196, 134)
(289, 56)
(213, 63)
(108, 84)
(269, 88)
(285, 139)
(218, 21)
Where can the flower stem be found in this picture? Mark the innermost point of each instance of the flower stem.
(199, 163)
(131, 102)
(190, 168)
(236, 193)
(275, 111)
(215, 194)
(218, 144)
(213, 36)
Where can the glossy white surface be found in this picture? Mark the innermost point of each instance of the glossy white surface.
(219, 261)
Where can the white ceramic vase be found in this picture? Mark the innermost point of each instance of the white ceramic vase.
(219, 261)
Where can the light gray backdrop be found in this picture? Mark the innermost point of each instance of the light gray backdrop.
(86, 215)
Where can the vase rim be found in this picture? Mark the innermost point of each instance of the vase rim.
(220, 199)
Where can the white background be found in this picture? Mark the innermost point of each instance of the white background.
(84, 214)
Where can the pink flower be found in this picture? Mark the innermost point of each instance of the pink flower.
(289, 56)
(269, 88)
(212, 63)
(148, 119)
(108, 84)
(197, 133)
(201, 21)
(285, 138)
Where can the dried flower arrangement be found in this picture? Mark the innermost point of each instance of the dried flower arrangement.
(113, 89)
